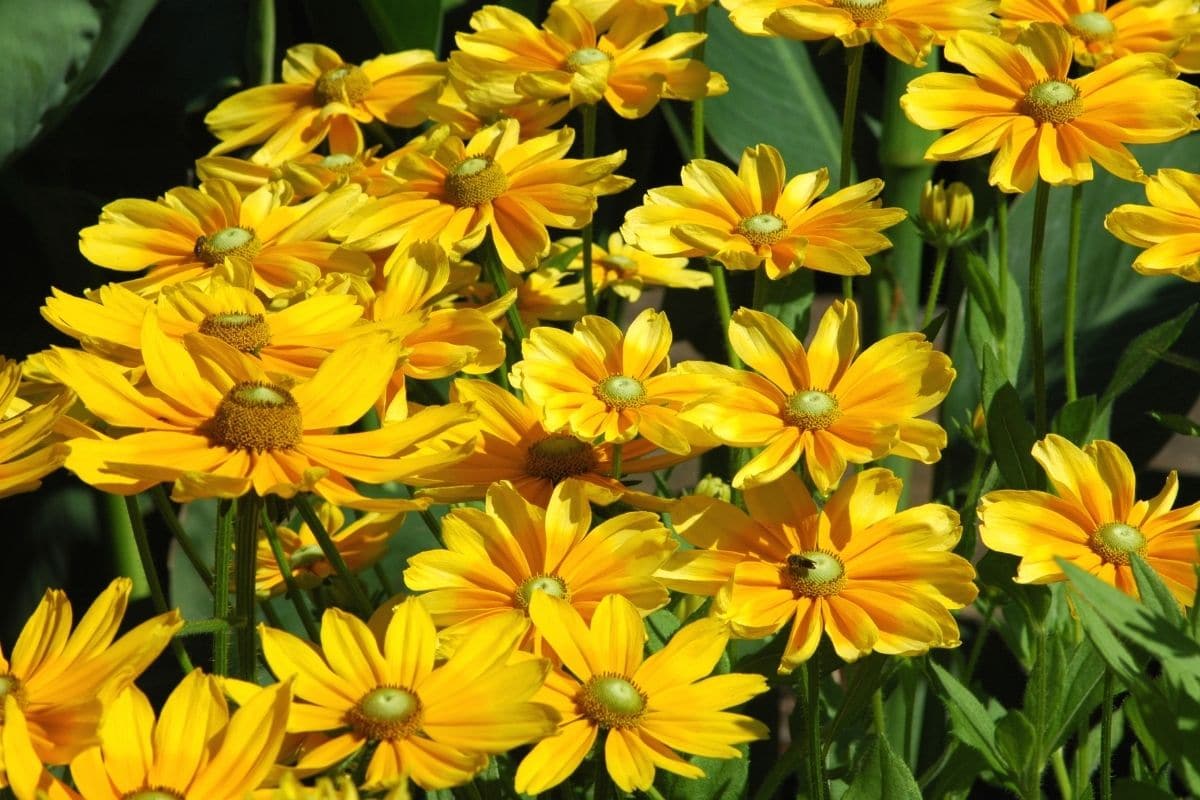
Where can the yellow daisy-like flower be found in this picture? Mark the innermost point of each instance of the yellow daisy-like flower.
(496, 560)
(195, 751)
(308, 175)
(1020, 100)
(1105, 31)
(829, 403)
(324, 96)
(26, 773)
(493, 183)
(435, 725)
(906, 29)
(510, 59)
(872, 579)
(218, 425)
(361, 543)
(1094, 520)
(600, 383)
(61, 678)
(626, 269)
(25, 454)
(260, 242)
(648, 707)
(467, 108)
(325, 789)
(1168, 228)
(758, 218)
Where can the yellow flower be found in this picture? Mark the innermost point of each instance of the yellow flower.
(325, 789)
(1094, 520)
(872, 579)
(829, 403)
(493, 183)
(1020, 100)
(626, 269)
(433, 725)
(26, 774)
(600, 383)
(648, 707)
(26, 455)
(214, 422)
(509, 59)
(467, 108)
(308, 175)
(1104, 31)
(946, 213)
(323, 96)
(906, 29)
(514, 446)
(361, 543)
(1168, 228)
(259, 242)
(195, 751)
(755, 218)
(496, 560)
(61, 678)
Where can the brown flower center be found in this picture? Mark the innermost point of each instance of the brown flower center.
(256, 416)
(1092, 26)
(549, 584)
(814, 573)
(227, 243)
(864, 10)
(584, 57)
(1116, 541)
(560, 456)
(11, 685)
(762, 229)
(620, 392)
(386, 714)
(344, 84)
(1052, 101)
(157, 793)
(474, 181)
(246, 332)
(612, 701)
(811, 410)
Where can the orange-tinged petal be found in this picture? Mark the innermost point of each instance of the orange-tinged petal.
(555, 758)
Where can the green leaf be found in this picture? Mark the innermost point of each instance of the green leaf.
(660, 627)
(724, 779)
(561, 261)
(981, 288)
(413, 24)
(1011, 438)
(1177, 423)
(1074, 420)
(772, 86)
(969, 720)
(882, 775)
(931, 330)
(1143, 352)
(1125, 789)
(1015, 738)
(1075, 694)
(790, 299)
(1154, 593)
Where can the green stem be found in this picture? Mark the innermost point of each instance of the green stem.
(295, 594)
(124, 547)
(1002, 275)
(1071, 291)
(1190, 364)
(761, 287)
(261, 50)
(699, 25)
(854, 59)
(816, 759)
(721, 291)
(939, 269)
(495, 273)
(1106, 744)
(1061, 777)
(589, 151)
(877, 715)
(784, 766)
(977, 645)
(222, 566)
(246, 565)
(616, 462)
(1037, 337)
(1039, 677)
(157, 595)
(359, 597)
(385, 583)
(163, 504)
(653, 793)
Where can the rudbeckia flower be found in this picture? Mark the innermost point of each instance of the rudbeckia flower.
(830, 403)
(758, 218)
(308, 175)
(435, 725)
(626, 270)
(1094, 520)
(1020, 100)
(218, 425)
(260, 242)
(324, 96)
(495, 560)
(870, 578)
(647, 707)
(26, 454)
(510, 59)
(906, 29)
(467, 108)
(493, 183)
(1168, 228)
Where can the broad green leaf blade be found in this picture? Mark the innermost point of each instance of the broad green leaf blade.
(1154, 593)
(970, 721)
(1012, 438)
(882, 775)
(1078, 696)
(790, 299)
(1143, 352)
(1074, 420)
(407, 25)
(1177, 423)
(660, 627)
(724, 779)
(1015, 738)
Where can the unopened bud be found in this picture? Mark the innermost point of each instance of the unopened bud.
(712, 486)
(946, 213)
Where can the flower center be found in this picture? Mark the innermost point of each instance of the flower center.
(345, 84)
(550, 584)
(1092, 26)
(764, 229)
(246, 332)
(621, 391)
(152, 794)
(10, 684)
(864, 10)
(227, 243)
(339, 162)
(387, 713)
(1052, 101)
(560, 456)
(612, 701)
(1115, 541)
(811, 410)
(814, 573)
(475, 181)
(258, 417)
(584, 57)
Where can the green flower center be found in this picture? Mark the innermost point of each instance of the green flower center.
(1116, 541)
(811, 410)
(153, 794)
(387, 713)
(227, 243)
(474, 181)
(762, 229)
(584, 57)
(258, 417)
(1052, 101)
(344, 84)
(560, 456)
(814, 573)
(621, 391)
(1092, 26)
(864, 10)
(612, 701)
(339, 162)
(549, 584)
(246, 332)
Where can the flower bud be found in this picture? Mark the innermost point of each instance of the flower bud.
(713, 486)
(946, 213)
